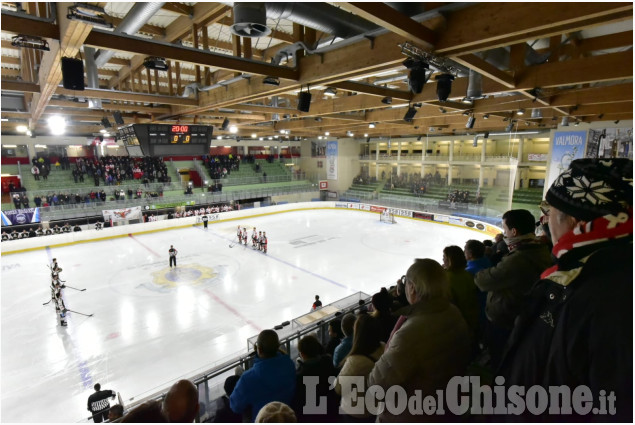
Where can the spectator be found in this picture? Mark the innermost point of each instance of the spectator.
(335, 336)
(316, 366)
(272, 377)
(366, 350)
(382, 302)
(276, 412)
(462, 289)
(317, 304)
(115, 412)
(578, 328)
(499, 250)
(148, 412)
(507, 282)
(430, 346)
(477, 261)
(341, 351)
(224, 413)
(181, 402)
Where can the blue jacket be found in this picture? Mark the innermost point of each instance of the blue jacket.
(342, 350)
(475, 266)
(268, 380)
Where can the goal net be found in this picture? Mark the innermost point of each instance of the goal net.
(386, 217)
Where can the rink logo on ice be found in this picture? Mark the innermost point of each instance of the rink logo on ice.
(309, 240)
(187, 274)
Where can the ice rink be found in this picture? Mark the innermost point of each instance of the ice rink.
(153, 324)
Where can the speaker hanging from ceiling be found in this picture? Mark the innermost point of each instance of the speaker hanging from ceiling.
(73, 74)
(118, 118)
(304, 100)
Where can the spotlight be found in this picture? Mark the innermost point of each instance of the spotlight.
(442, 110)
(368, 140)
(330, 91)
(271, 81)
(326, 133)
(565, 121)
(419, 74)
(470, 122)
(600, 116)
(387, 100)
(536, 113)
(486, 116)
(225, 124)
(233, 129)
(510, 126)
(616, 121)
(444, 86)
(410, 114)
(30, 42)
(520, 112)
(155, 62)
(365, 134)
(371, 125)
(577, 123)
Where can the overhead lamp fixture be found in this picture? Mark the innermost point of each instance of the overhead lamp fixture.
(486, 116)
(565, 121)
(410, 114)
(444, 86)
(106, 134)
(536, 113)
(219, 137)
(254, 135)
(387, 100)
(350, 133)
(470, 122)
(271, 81)
(30, 42)
(467, 101)
(521, 111)
(225, 124)
(371, 125)
(326, 133)
(261, 138)
(577, 123)
(365, 134)
(419, 74)
(88, 13)
(318, 119)
(466, 113)
(367, 138)
(319, 137)
(156, 62)
(269, 138)
(57, 124)
(330, 91)
(21, 128)
(233, 129)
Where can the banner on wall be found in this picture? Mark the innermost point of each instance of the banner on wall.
(565, 147)
(123, 214)
(331, 160)
(21, 216)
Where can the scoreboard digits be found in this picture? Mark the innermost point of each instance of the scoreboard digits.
(167, 139)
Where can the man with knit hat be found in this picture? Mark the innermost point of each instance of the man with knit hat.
(577, 328)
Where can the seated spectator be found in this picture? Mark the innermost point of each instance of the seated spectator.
(382, 303)
(342, 350)
(430, 346)
(276, 412)
(115, 412)
(366, 350)
(5, 236)
(181, 402)
(335, 336)
(463, 292)
(77, 228)
(148, 412)
(272, 377)
(32, 232)
(319, 366)
(224, 413)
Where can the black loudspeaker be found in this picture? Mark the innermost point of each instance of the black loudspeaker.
(304, 101)
(73, 74)
(118, 118)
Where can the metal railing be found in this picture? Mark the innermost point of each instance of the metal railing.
(443, 158)
(109, 189)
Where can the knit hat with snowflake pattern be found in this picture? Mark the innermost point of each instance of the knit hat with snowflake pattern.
(592, 188)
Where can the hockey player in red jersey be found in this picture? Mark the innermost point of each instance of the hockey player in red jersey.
(244, 236)
(264, 242)
(254, 238)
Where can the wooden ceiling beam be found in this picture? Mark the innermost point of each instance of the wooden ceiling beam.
(145, 29)
(180, 8)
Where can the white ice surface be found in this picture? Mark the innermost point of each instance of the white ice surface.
(152, 325)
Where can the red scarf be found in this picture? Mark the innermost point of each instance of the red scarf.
(598, 231)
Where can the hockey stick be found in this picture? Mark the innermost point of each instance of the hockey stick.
(83, 314)
(47, 301)
(232, 244)
(77, 289)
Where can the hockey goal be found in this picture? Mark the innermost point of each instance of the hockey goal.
(387, 217)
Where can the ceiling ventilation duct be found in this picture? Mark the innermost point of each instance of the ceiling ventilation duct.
(475, 86)
(250, 20)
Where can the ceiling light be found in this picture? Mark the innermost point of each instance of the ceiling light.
(371, 125)
(22, 128)
(219, 137)
(319, 137)
(536, 113)
(269, 138)
(521, 111)
(444, 86)
(105, 123)
(275, 137)
(419, 74)
(271, 81)
(103, 130)
(326, 133)
(156, 62)
(577, 123)
(486, 116)
(565, 121)
(225, 124)
(30, 42)
(387, 100)
(106, 134)
(616, 121)
(365, 134)
(57, 124)
(470, 122)
(261, 138)
(330, 91)
(89, 14)
(233, 129)
(254, 135)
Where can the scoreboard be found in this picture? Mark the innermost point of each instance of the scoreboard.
(166, 139)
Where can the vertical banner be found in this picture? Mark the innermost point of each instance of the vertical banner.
(331, 160)
(565, 147)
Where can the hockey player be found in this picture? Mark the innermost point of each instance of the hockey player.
(244, 236)
(60, 308)
(264, 242)
(55, 268)
(259, 241)
(254, 238)
(239, 233)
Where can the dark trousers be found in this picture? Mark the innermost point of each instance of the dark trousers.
(100, 416)
(173, 260)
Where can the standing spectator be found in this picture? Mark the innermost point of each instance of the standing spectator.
(335, 336)
(499, 249)
(509, 281)
(430, 346)
(181, 402)
(272, 377)
(577, 328)
(98, 403)
(36, 172)
(224, 413)
(115, 412)
(382, 302)
(172, 252)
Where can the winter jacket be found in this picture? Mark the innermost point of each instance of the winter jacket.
(429, 349)
(357, 365)
(464, 296)
(270, 379)
(322, 368)
(509, 281)
(578, 329)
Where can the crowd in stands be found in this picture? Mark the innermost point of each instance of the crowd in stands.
(37, 230)
(21, 200)
(412, 181)
(221, 166)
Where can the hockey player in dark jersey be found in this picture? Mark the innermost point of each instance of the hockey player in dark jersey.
(259, 241)
(98, 403)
